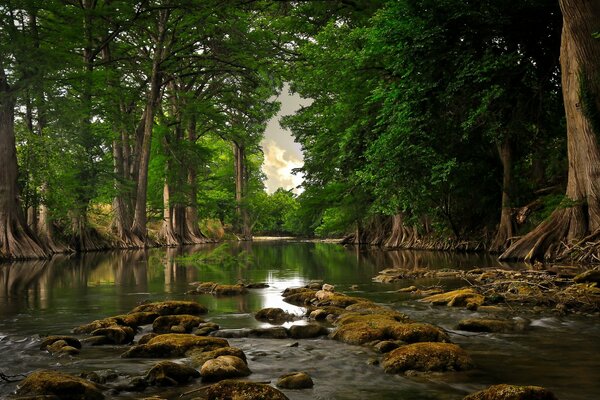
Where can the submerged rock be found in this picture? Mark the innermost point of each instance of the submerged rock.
(167, 373)
(511, 392)
(427, 357)
(206, 328)
(276, 315)
(276, 332)
(172, 307)
(307, 331)
(182, 323)
(490, 325)
(174, 345)
(116, 334)
(238, 390)
(224, 367)
(465, 297)
(295, 380)
(63, 386)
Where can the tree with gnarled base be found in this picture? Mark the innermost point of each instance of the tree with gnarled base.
(578, 219)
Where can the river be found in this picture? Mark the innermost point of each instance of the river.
(52, 297)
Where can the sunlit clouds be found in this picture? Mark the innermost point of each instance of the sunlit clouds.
(278, 166)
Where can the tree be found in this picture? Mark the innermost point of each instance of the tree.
(578, 217)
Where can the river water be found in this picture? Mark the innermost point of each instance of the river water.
(52, 297)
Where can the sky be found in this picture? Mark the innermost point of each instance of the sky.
(282, 154)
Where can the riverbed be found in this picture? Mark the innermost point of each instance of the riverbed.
(40, 298)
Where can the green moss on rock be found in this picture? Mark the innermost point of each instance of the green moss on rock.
(427, 357)
(237, 390)
(511, 392)
(172, 307)
(174, 345)
(63, 386)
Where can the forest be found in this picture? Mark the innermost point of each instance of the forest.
(446, 124)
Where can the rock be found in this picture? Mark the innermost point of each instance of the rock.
(135, 319)
(328, 288)
(232, 333)
(198, 357)
(299, 298)
(322, 313)
(116, 334)
(61, 347)
(64, 386)
(295, 380)
(206, 328)
(257, 285)
(172, 307)
(307, 331)
(182, 323)
(511, 392)
(97, 340)
(68, 340)
(490, 325)
(456, 298)
(276, 332)
(238, 390)
(135, 384)
(385, 346)
(94, 325)
(146, 338)
(362, 329)
(293, 291)
(220, 290)
(276, 315)
(338, 300)
(174, 345)
(224, 367)
(101, 376)
(427, 357)
(167, 373)
(314, 285)
(590, 276)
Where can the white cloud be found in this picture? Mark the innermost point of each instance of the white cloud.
(278, 167)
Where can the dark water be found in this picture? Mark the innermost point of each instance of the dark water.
(41, 298)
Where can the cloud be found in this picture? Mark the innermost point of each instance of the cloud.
(278, 166)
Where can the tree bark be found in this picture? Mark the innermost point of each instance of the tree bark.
(241, 181)
(506, 227)
(191, 211)
(138, 228)
(580, 67)
(17, 241)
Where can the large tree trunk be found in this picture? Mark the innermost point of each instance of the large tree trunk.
(241, 178)
(506, 227)
(191, 211)
(580, 65)
(17, 241)
(138, 228)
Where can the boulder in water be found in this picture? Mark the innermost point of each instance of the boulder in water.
(182, 323)
(512, 392)
(174, 345)
(275, 315)
(295, 380)
(60, 385)
(427, 357)
(172, 307)
(167, 373)
(224, 367)
(236, 390)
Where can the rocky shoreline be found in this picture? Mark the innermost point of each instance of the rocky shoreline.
(192, 351)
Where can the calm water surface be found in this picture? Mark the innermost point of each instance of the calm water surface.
(42, 298)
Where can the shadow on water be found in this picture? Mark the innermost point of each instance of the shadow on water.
(53, 296)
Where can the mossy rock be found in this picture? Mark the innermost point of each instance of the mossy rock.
(386, 315)
(276, 315)
(362, 329)
(276, 332)
(172, 307)
(174, 345)
(238, 390)
(64, 386)
(427, 357)
(135, 319)
(307, 331)
(198, 357)
(146, 338)
(511, 392)
(206, 328)
(116, 334)
(218, 289)
(295, 380)
(292, 291)
(167, 373)
(300, 298)
(323, 313)
(69, 340)
(61, 347)
(183, 323)
(490, 325)
(465, 297)
(95, 325)
(224, 367)
(339, 300)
